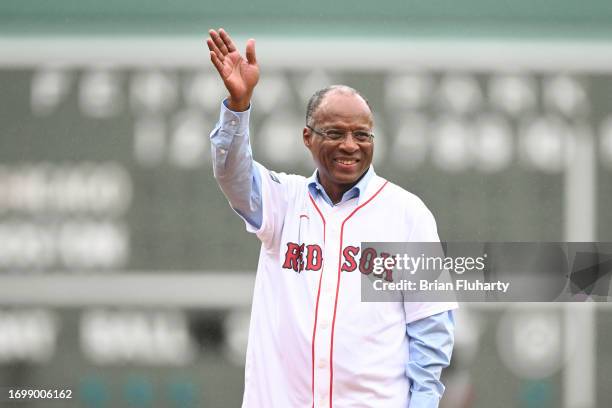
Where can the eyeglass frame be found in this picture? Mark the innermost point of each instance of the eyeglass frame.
(324, 133)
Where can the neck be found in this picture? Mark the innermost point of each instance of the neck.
(336, 191)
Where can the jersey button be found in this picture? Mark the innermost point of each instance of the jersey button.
(324, 325)
(322, 363)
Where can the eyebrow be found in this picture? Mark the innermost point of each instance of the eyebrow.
(337, 127)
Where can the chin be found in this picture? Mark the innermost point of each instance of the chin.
(345, 178)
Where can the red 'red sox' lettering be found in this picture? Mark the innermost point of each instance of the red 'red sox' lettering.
(293, 257)
(388, 273)
(301, 257)
(366, 263)
(314, 258)
(349, 253)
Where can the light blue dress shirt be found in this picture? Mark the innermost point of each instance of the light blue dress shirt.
(430, 339)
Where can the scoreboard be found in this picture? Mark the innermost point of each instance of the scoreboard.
(115, 240)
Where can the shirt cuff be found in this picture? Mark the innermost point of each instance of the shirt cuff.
(235, 123)
(423, 400)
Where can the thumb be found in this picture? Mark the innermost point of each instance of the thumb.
(250, 51)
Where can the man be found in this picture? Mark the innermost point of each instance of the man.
(312, 342)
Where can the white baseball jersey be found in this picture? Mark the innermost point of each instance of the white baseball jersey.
(312, 342)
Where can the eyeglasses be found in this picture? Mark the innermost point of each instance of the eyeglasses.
(336, 135)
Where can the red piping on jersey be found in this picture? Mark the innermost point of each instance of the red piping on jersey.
(331, 351)
(314, 327)
(320, 214)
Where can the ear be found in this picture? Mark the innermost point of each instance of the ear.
(307, 137)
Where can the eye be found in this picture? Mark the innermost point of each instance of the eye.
(361, 135)
(334, 134)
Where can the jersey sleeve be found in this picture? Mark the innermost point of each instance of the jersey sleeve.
(275, 191)
(424, 229)
(423, 225)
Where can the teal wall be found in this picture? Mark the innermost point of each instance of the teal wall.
(522, 18)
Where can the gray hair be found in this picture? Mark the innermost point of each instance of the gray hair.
(315, 100)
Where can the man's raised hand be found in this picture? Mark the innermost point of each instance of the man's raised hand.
(239, 75)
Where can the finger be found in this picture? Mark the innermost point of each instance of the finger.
(218, 42)
(250, 51)
(229, 43)
(213, 48)
(216, 62)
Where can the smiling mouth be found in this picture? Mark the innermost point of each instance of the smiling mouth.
(346, 162)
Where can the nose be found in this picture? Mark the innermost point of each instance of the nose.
(348, 143)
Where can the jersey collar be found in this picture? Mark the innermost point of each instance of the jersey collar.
(358, 190)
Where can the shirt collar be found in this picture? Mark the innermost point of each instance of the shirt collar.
(316, 189)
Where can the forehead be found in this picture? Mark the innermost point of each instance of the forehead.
(343, 108)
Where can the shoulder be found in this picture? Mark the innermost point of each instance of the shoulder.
(404, 199)
(412, 213)
(289, 182)
(407, 212)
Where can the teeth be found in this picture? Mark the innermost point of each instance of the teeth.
(346, 161)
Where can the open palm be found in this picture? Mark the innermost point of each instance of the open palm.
(239, 74)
